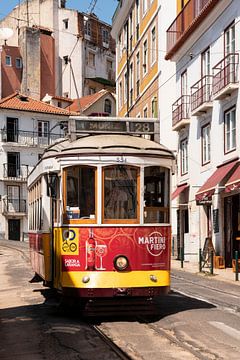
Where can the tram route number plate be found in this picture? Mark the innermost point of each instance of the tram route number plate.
(136, 127)
(141, 127)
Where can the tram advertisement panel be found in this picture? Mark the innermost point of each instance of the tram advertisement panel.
(87, 248)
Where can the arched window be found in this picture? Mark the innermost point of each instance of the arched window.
(108, 106)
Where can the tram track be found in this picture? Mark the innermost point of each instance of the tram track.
(117, 350)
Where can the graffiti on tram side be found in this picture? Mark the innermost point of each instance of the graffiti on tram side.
(96, 248)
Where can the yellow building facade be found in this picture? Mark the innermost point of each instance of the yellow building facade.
(135, 28)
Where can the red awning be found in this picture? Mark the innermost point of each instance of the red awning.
(205, 193)
(233, 182)
(179, 190)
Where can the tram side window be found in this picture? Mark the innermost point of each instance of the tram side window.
(156, 195)
(120, 192)
(80, 192)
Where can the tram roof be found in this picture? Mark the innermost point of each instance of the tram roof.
(108, 144)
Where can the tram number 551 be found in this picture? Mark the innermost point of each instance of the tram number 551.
(141, 127)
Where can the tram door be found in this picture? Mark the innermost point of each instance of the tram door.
(14, 229)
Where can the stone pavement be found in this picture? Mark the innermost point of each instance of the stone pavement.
(218, 274)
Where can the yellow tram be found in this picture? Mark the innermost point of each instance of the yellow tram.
(99, 211)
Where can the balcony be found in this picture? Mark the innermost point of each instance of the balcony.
(29, 138)
(14, 172)
(225, 76)
(180, 113)
(201, 96)
(14, 206)
(191, 16)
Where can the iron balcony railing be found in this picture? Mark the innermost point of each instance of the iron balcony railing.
(183, 21)
(180, 109)
(29, 138)
(14, 206)
(12, 171)
(201, 92)
(225, 72)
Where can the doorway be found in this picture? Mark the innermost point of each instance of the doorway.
(14, 229)
(231, 227)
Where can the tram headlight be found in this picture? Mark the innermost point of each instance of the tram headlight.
(121, 262)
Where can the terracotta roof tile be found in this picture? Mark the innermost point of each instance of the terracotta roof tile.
(86, 101)
(22, 102)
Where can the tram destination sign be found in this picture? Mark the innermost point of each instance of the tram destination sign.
(118, 126)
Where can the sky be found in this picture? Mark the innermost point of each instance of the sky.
(104, 9)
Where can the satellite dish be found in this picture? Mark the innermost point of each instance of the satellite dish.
(5, 33)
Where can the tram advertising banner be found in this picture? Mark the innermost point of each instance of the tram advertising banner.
(147, 248)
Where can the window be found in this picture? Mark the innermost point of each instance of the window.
(156, 195)
(120, 193)
(8, 60)
(91, 59)
(87, 28)
(125, 34)
(65, 24)
(138, 74)
(108, 106)
(120, 95)
(120, 45)
(130, 32)
(13, 199)
(205, 62)
(12, 129)
(145, 112)
(144, 6)
(184, 156)
(105, 36)
(184, 83)
(43, 129)
(13, 164)
(80, 192)
(145, 55)
(153, 45)
(18, 63)
(137, 18)
(230, 130)
(131, 83)
(206, 149)
(125, 87)
(154, 107)
(229, 39)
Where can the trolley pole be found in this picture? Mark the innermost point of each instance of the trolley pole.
(236, 267)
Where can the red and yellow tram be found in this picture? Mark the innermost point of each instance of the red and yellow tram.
(99, 212)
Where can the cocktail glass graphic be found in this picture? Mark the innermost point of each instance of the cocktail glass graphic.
(101, 251)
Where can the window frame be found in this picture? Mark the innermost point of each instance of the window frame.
(145, 57)
(64, 213)
(184, 156)
(153, 47)
(122, 221)
(206, 144)
(10, 60)
(232, 131)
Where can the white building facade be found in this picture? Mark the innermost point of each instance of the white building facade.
(204, 44)
(27, 127)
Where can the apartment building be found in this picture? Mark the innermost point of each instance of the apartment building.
(203, 42)
(27, 127)
(65, 52)
(135, 28)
